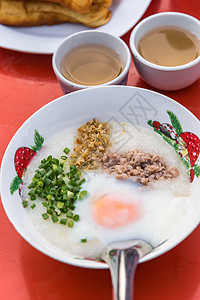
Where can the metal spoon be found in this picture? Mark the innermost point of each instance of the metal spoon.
(123, 258)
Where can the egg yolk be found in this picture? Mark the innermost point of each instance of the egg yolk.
(114, 211)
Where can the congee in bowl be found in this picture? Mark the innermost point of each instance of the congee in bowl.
(88, 176)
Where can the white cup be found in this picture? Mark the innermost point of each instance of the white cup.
(90, 37)
(163, 77)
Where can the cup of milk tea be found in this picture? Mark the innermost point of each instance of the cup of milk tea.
(91, 58)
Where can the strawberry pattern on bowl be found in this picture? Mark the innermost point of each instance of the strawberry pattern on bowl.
(23, 157)
(185, 143)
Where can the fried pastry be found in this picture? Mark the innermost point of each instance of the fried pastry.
(81, 6)
(104, 3)
(36, 13)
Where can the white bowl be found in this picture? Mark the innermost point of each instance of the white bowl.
(162, 77)
(90, 37)
(124, 104)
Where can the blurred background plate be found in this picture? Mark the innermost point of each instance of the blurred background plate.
(45, 39)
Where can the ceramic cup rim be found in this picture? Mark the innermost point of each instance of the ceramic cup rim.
(88, 32)
(145, 23)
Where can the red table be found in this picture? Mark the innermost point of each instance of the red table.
(27, 82)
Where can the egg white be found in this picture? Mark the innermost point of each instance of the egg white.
(161, 211)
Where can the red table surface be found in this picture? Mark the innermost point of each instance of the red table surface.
(27, 82)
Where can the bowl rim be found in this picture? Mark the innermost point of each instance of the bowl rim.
(78, 262)
(151, 65)
(114, 81)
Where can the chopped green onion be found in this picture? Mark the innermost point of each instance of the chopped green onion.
(76, 189)
(42, 173)
(76, 218)
(63, 221)
(55, 161)
(60, 204)
(33, 197)
(40, 183)
(70, 194)
(79, 173)
(37, 175)
(43, 195)
(25, 203)
(49, 211)
(45, 216)
(76, 177)
(82, 181)
(59, 170)
(58, 190)
(50, 197)
(83, 240)
(35, 180)
(69, 214)
(31, 185)
(57, 210)
(33, 205)
(73, 183)
(63, 157)
(70, 224)
(82, 195)
(49, 158)
(46, 165)
(47, 181)
(54, 218)
(48, 174)
(72, 207)
(66, 150)
(73, 170)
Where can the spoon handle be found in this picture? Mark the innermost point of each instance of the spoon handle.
(123, 263)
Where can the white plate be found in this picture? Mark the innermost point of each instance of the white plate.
(45, 39)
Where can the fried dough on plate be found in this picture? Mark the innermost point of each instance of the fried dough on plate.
(104, 3)
(36, 13)
(81, 6)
